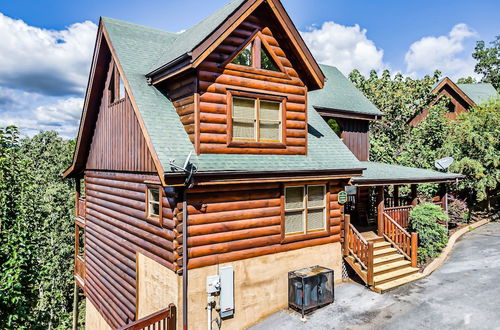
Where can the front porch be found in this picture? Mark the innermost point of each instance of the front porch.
(377, 243)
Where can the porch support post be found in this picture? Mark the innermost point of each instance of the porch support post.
(414, 199)
(380, 210)
(77, 195)
(347, 221)
(396, 195)
(443, 197)
(414, 247)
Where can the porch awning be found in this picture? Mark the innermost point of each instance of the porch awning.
(385, 174)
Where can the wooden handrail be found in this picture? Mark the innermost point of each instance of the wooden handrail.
(401, 239)
(397, 225)
(361, 238)
(399, 207)
(165, 319)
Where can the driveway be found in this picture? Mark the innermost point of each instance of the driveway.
(463, 294)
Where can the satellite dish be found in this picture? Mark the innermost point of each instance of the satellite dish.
(186, 163)
(443, 164)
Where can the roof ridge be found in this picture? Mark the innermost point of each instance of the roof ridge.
(135, 25)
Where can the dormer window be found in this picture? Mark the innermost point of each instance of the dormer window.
(256, 55)
(256, 119)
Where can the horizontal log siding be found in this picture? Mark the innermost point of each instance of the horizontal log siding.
(118, 143)
(233, 223)
(215, 81)
(116, 229)
(181, 92)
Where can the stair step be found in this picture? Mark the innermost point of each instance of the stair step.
(394, 275)
(381, 245)
(384, 252)
(378, 261)
(385, 268)
(381, 288)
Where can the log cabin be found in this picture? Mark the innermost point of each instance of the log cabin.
(207, 153)
(462, 97)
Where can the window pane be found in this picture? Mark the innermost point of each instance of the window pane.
(244, 129)
(243, 108)
(121, 89)
(270, 110)
(270, 132)
(267, 62)
(294, 222)
(294, 198)
(245, 57)
(154, 209)
(154, 195)
(316, 196)
(316, 219)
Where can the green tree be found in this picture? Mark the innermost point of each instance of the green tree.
(37, 231)
(468, 80)
(474, 143)
(400, 99)
(488, 62)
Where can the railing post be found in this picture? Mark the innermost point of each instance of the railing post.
(414, 247)
(380, 210)
(172, 320)
(347, 221)
(369, 264)
(414, 199)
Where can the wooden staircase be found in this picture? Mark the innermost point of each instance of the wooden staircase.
(381, 262)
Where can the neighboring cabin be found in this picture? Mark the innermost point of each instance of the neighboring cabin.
(462, 97)
(242, 94)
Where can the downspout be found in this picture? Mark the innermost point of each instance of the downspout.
(184, 259)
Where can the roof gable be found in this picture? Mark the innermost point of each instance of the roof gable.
(194, 45)
(340, 96)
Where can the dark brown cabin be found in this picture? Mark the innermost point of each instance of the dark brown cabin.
(462, 97)
(208, 153)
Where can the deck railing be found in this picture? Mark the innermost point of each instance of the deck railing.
(163, 320)
(80, 269)
(359, 248)
(80, 207)
(405, 242)
(400, 214)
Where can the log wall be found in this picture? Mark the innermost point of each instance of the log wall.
(239, 222)
(118, 143)
(215, 79)
(116, 230)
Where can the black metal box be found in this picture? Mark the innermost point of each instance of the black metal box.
(310, 288)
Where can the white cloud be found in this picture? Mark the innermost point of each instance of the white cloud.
(45, 61)
(33, 112)
(444, 53)
(345, 47)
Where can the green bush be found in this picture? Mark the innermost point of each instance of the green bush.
(432, 237)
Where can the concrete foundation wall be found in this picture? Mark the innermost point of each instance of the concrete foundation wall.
(93, 319)
(260, 284)
(157, 286)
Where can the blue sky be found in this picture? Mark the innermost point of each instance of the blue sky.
(51, 41)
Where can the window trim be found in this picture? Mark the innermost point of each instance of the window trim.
(114, 88)
(256, 144)
(257, 36)
(149, 216)
(288, 238)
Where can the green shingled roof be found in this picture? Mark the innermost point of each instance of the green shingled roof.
(189, 39)
(479, 93)
(388, 174)
(339, 93)
(138, 47)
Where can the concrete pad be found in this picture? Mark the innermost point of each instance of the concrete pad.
(462, 294)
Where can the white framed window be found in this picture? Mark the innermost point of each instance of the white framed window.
(305, 209)
(153, 202)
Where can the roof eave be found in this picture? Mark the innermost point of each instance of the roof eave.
(403, 181)
(326, 112)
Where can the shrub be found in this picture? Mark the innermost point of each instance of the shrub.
(458, 210)
(432, 237)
